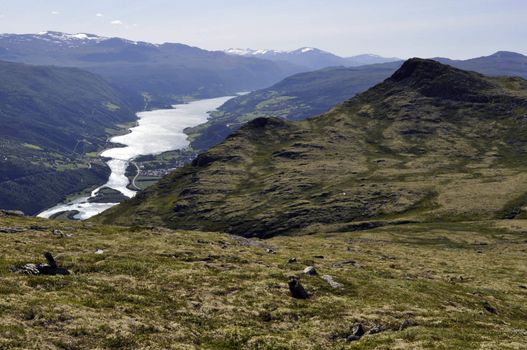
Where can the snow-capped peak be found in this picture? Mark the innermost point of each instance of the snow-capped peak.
(251, 52)
(240, 52)
(69, 40)
(267, 52)
(66, 36)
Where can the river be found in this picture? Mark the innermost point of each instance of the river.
(156, 132)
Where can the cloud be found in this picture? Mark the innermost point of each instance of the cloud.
(54, 13)
(117, 22)
(98, 14)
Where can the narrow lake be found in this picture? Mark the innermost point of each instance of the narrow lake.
(156, 132)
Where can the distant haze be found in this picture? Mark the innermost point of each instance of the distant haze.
(403, 28)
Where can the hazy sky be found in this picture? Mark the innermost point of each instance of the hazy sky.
(403, 28)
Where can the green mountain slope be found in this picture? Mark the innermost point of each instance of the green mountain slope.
(430, 143)
(308, 94)
(51, 118)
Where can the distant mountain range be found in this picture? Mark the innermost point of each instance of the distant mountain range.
(51, 119)
(430, 143)
(500, 63)
(162, 73)
(308, 94)
(312, 58)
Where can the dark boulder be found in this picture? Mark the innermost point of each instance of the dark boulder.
(489, 308)
(358, 332)
(296, 289)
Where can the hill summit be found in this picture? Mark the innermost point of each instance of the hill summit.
(430, 143)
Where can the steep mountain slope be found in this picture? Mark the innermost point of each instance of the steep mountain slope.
(163, 73)
(51, 118)
(308, 94)
(312, 58)
(431, 142)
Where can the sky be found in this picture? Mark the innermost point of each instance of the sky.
(396, 28)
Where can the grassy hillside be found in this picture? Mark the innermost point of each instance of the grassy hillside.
(432, 143)
(51, 119)
(420, 286)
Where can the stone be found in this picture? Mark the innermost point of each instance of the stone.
(487, 306)
(57, 232)
(99, 251)
(61, 234)
(50, 269)
(358, 332)
(296, 289)
(377, 329)
(332, 282)
(310, 270)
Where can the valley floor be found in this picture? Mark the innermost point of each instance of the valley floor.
(424, 286)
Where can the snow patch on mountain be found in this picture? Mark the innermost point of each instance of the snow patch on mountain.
(68, 37)
(262, 52)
